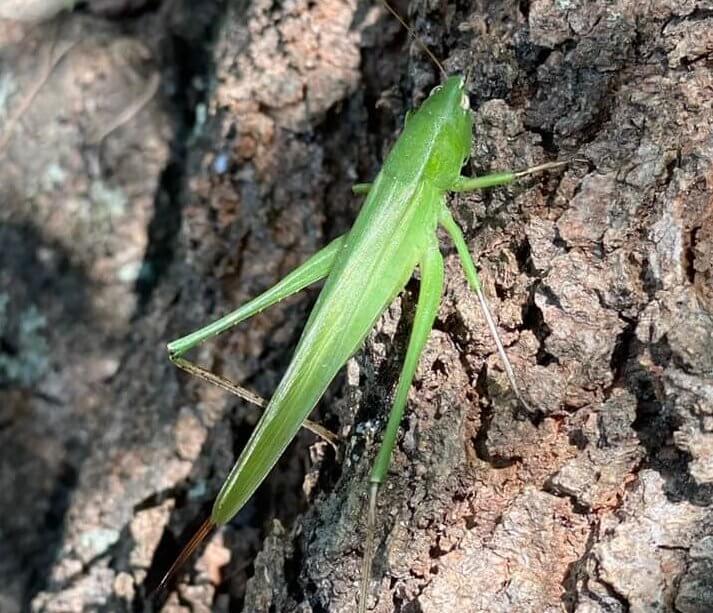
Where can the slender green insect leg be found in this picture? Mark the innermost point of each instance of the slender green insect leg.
(246, 394)
(314, 269)
(361, 188)
(426, 310)
(471, 274)
(220, 381)
(469, 184)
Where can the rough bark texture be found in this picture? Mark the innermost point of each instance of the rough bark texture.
(235, 171)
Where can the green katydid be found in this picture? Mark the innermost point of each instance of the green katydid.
(365, 269)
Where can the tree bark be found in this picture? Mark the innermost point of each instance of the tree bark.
(600, 276)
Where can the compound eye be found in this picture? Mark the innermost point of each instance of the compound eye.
(464, 102)
(436, 89)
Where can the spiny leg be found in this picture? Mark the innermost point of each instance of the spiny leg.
(429, 298)
(471, 273)
(314, 269)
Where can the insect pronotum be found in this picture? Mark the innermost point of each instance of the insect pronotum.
(364, 270)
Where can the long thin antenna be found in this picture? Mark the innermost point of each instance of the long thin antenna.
(416, 37)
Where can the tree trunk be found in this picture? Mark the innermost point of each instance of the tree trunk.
(241, 165)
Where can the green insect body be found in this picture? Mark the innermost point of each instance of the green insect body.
(365, 269)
